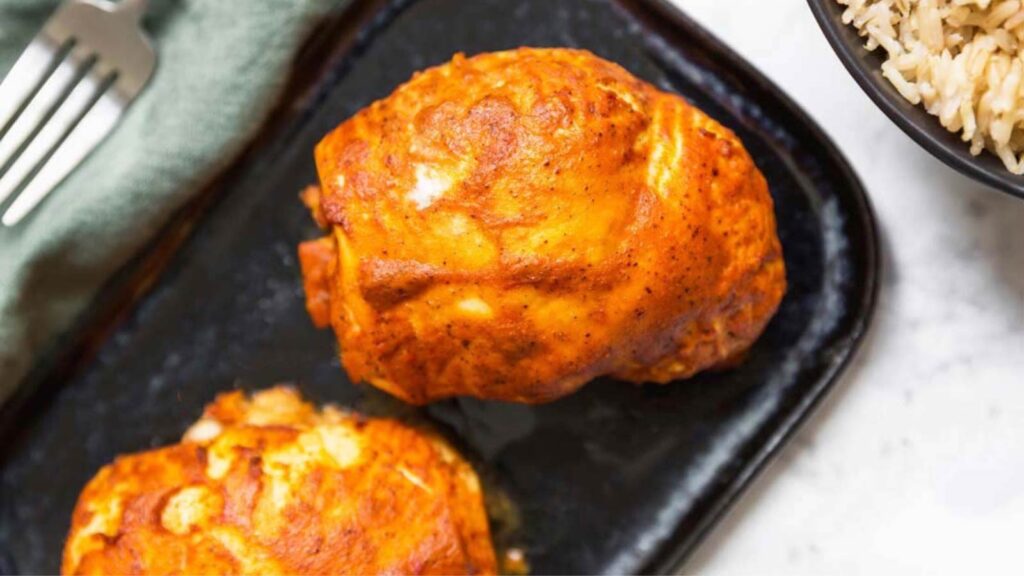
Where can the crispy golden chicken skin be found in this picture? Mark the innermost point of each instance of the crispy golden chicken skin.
(512, 225)
(269, 485)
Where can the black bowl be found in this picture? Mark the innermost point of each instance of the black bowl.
(925, 129)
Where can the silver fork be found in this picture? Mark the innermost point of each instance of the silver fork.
(65, 93)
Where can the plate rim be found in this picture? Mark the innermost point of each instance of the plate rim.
(986, 169)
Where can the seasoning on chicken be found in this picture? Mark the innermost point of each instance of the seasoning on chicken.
(512, 225)
(269, 485)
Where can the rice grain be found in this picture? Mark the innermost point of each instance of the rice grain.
(960, 59)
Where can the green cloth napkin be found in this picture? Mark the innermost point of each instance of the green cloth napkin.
(221, 63)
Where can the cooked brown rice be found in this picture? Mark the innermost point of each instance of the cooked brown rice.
(961, 59)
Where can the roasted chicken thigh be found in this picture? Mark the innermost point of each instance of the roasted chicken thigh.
(269, 485)
(512, 225)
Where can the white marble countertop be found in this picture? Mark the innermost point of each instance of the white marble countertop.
(915, 463)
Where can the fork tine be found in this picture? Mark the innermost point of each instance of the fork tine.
(23, 80)
(51, 133)
(43, 104)
(86, 131)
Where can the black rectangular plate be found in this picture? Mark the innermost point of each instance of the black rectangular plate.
(614, 479)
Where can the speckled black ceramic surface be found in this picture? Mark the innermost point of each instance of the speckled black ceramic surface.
(614, 479)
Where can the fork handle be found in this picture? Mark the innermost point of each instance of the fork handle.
(134, 9)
